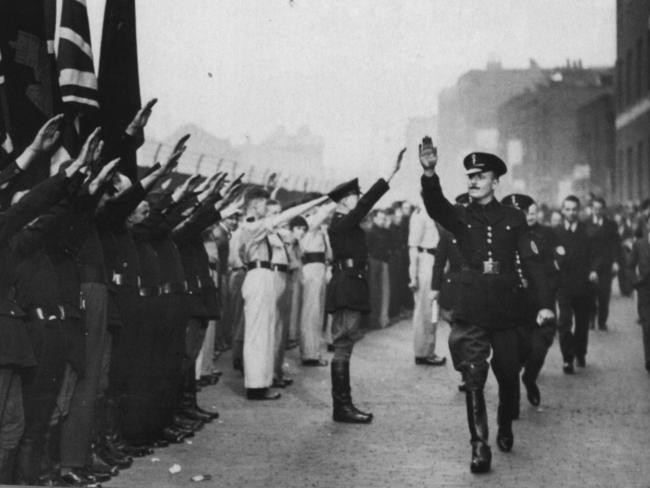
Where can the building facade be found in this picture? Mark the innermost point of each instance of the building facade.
(631, 175)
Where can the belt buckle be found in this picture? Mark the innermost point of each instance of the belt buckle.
(491, 267)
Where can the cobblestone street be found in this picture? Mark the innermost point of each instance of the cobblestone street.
(593, 429)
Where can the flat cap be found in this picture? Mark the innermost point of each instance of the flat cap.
(479, 162)
(344, 189)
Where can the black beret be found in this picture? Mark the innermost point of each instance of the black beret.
(479, 162)
(344, 189)
(298, 221)
(517, 200)
(462, 199)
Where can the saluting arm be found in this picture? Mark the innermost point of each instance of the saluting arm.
(363, 207)
(438, 207)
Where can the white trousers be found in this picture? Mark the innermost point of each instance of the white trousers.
(424, 330)
(312, 313)
(260, 309)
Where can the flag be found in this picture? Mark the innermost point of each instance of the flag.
(119, 83)
(28, 75)
(77, 79)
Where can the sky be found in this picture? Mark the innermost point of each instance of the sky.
(354, 71)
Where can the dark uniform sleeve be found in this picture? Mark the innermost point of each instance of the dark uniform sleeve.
(197, 223)
(442, 255)
(438, 207)
(35, 202)
(540, 268)
(363, 207)
(116, 211)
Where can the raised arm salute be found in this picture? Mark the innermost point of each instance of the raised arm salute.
(486, 316)
(347, 292)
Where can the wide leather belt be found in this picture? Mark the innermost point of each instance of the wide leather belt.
(48, 314)
(282, 268)
(172, 288)
(428, 250)
(350, 263)
(313, 257)
(258, 264)
(238, 268)
(122, 279)
(149, 291)
(489, 267)
(194, 286)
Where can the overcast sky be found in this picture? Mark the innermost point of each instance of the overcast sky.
(353, 70)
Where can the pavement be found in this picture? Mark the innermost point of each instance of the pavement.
(591, 430)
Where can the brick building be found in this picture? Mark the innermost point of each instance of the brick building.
(538, 132)
(632, 176)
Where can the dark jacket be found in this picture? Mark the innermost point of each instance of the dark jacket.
(445, 279)
(348, 288)
(575, 259)
(484, 232)
(605, 245)
(639, 264)
(538, 259)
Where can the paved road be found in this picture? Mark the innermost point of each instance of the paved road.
(592, 430)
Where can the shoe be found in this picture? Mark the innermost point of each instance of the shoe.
(462, 387)
(140, 450)
(343, 409)
(532, 393)
(262, 394)
(580, 361)
(89, 474)
(314, 362)
(602, 327)
(505, 437)
(292, 345)
(282, 382)
(183, 422)
(568, 368)
(481, 460)
(213, 414)
(77, 477)
(505, 440)
(109, 457)
(210, 379)
(172, 436)
(193, 414)
(431, 361)
(99, 466)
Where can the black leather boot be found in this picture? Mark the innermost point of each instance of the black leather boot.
(344, 410)
(27, 465)
(478, 429)
(505, 437)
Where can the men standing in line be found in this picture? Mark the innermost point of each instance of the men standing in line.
(577, 273)
(260, 292)
(423, 240)
(487, 316)
(347, 292)
(605, 243)
(538, 261)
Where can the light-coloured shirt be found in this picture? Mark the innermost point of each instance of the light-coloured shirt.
(423, 231)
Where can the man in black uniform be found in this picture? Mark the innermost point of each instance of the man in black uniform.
(487, 314)
(347, 292)
(538, 262)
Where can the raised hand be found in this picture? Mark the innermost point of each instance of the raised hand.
(48, 135)
(233, 208)
(141, 118)
(185, 187)
(86, 154)
(428, 158)
(397, 166)
(105, 173)
(181, 143)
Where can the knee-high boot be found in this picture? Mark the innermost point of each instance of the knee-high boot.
(478, 429)
(344, 410)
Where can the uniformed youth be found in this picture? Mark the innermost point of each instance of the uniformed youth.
(487, 315)
(538, 261)
(347, 293)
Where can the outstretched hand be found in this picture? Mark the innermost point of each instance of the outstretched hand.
(48, 135)
(397, 166)
(141, 118)
(428, 159)
(88, 151)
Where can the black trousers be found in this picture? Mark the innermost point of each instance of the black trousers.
(602, 296)
(41, 384)
(643, 305)
(470, 348)
(536, 341)
(573, 335)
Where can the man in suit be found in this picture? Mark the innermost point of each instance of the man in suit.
(639, 267)
(487, 316)
(577, 272)
(605, 243)
(347, 293)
